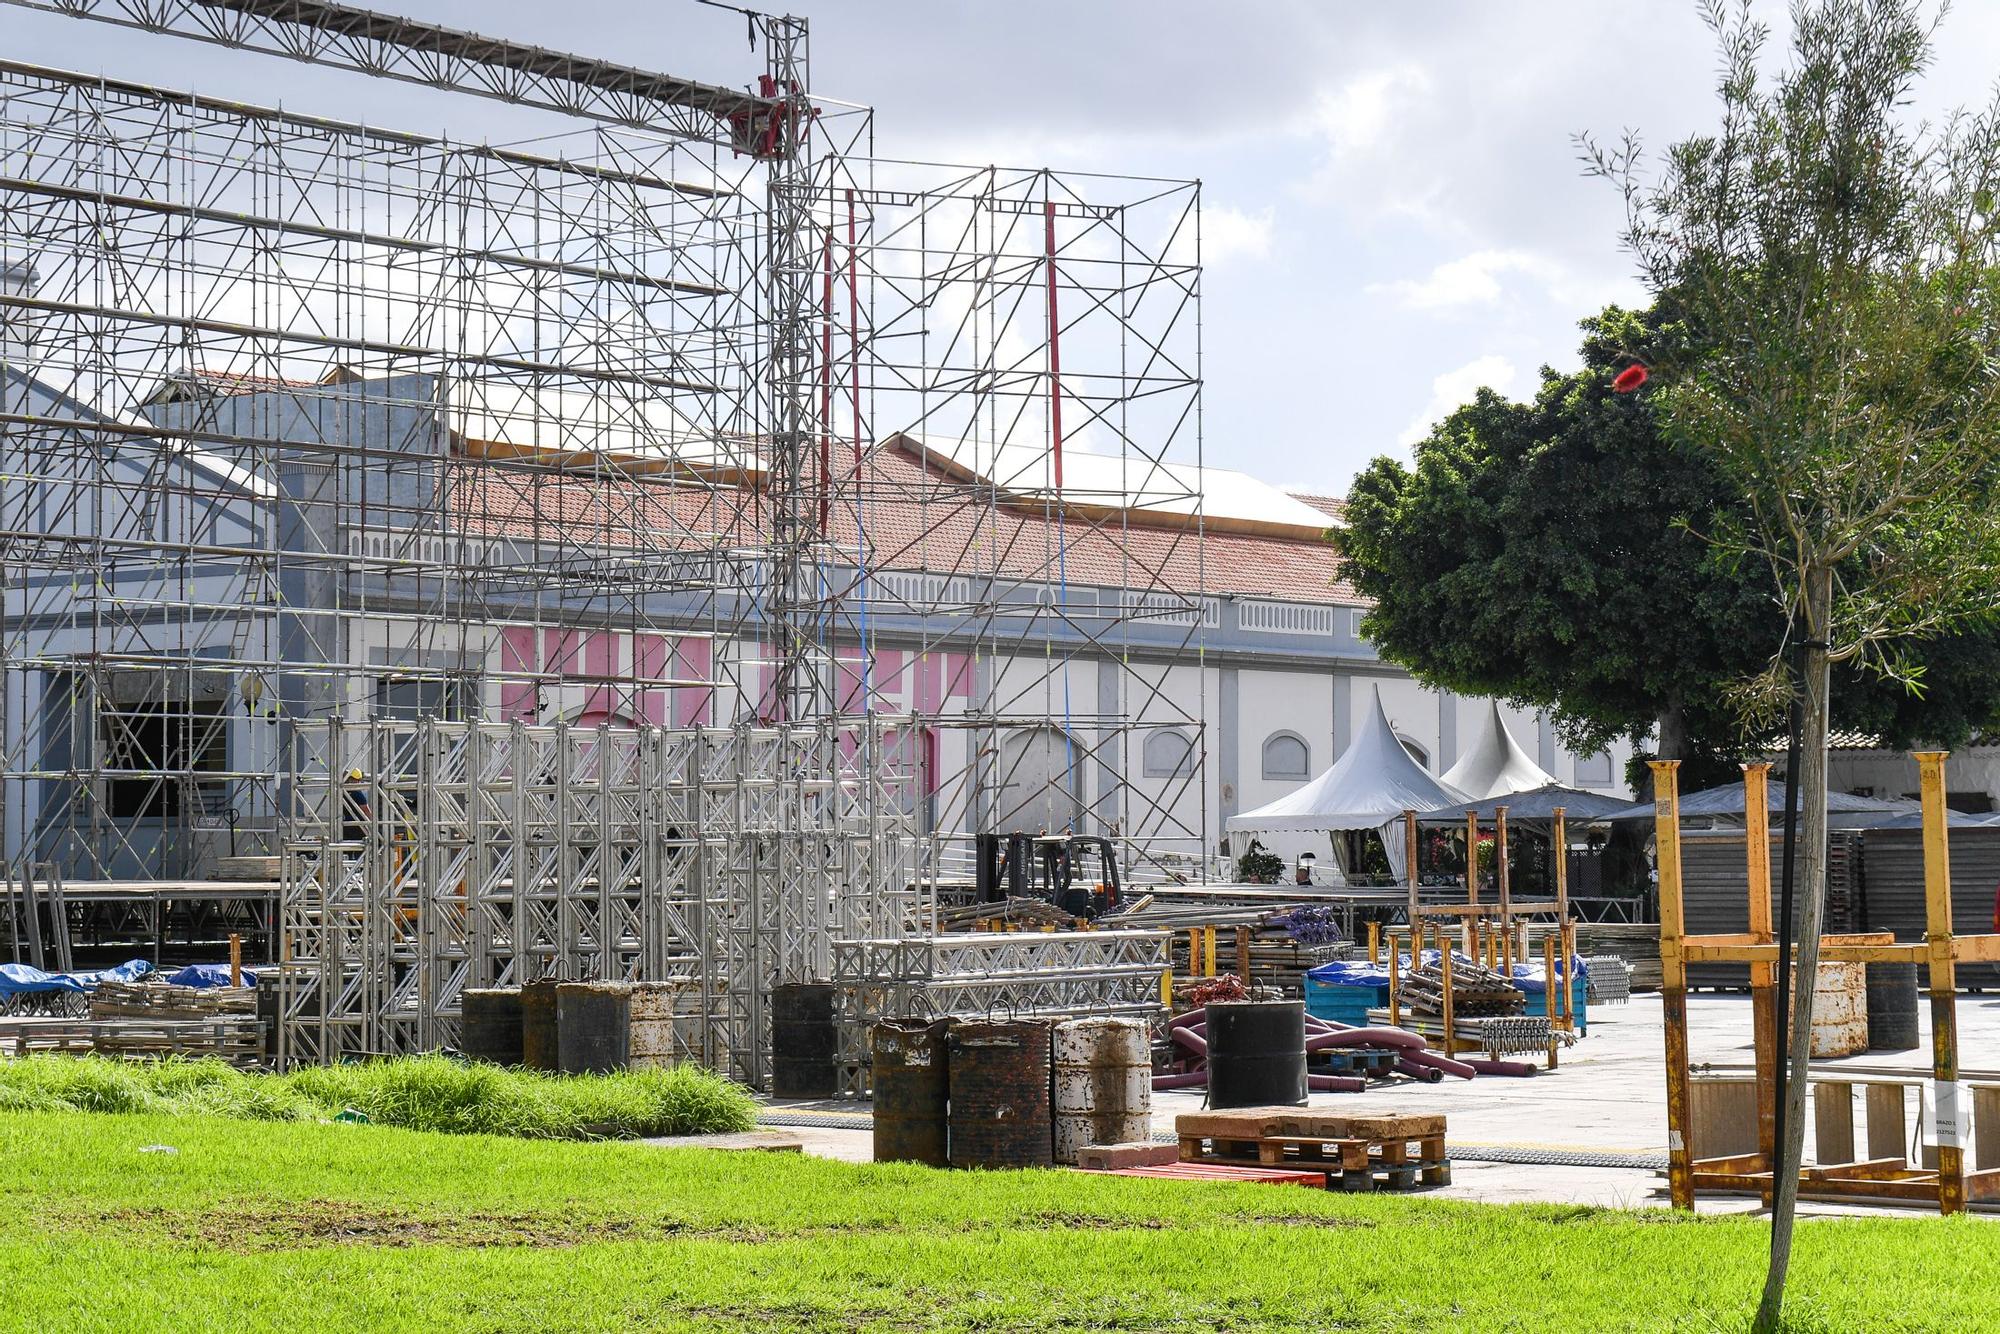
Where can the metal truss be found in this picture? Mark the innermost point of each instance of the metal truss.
(387, 46)
(484, 855)
(694, 527)
(977, 975)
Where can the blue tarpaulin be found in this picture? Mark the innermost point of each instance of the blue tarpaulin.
(210, 975)
(20, 979)
(1361, 973)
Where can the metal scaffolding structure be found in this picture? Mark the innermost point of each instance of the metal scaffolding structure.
(689, 429)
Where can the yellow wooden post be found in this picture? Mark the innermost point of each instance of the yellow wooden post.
(1559, 856)
(1167, 990)
(1375, 942)
(1673, 979)
(1764, 1022)
(1395, 984)
(1410, 863)
(1944, 995)
(1550, 985)
(1208, 950)
(1450, 1037)
(1506, 898)
(235, 959)
(1243, 954)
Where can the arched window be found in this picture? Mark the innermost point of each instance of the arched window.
(1593, 770)
(1169, 754)
(1286, 755)
(1417, 753)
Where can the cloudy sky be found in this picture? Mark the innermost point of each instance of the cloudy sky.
(1394, 213)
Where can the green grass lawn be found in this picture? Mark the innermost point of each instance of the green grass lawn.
(254, 1225)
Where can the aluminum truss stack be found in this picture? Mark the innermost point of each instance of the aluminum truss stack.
(992, 974)
(724, 860)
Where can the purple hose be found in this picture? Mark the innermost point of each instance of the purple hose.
(1368, 1037)
(1336, 1083)
(1502, 1067)
(1198, 1079)
(1428, 1074)
(1436, 1062)
(1193, 1041)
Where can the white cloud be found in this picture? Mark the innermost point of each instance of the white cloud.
(1473, 280)
(1229, 233)
(1453, 389)
(1357, 116)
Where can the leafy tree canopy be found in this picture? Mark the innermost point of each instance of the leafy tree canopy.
(1557, 554)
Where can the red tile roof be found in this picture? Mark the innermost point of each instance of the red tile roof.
(914, 519)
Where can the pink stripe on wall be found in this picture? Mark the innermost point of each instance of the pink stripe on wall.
(517, 654)
(890, 679)
(958, 676)
(600, 661)
(649, 663)
(694, 706)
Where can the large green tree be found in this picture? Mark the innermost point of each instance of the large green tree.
(1839, 265)
(1558, 554)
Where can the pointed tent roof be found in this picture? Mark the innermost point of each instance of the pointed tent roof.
(1496, 765)
(1375, 781)
(1535, 804)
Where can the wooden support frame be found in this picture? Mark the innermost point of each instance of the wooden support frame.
(1947, 1184)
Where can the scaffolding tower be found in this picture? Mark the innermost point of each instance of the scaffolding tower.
(332, 450)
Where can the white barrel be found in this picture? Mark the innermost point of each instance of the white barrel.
(1103, 1084)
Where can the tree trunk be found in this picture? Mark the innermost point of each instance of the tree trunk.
(1810, 895)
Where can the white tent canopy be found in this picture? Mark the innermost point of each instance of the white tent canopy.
(1496, 765)
(1368, 787)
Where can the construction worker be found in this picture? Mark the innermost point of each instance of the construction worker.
(354, 808)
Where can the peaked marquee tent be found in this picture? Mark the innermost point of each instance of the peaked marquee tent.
(1368, 787)
(1495, 765)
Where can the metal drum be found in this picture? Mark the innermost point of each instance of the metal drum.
(802, 1041)
(538, 1025)
(1256, 1053)
(999, 1078)
(912, 1087)
(1840, 1002)
(1892, 1007)
(593, 1027)
(490, 1026)
(1103, 1084)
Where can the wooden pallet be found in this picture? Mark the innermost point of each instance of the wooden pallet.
(1358, 1152)
(1367, 1063)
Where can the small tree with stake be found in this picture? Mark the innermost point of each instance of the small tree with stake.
(1836, 268)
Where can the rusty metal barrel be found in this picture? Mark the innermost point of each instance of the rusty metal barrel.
(1103, 1084)
(489, 1027)
(803, 1041)
(1256, 1053)
(910, 1073)
(999, 1079)
(593, 1027)
(538, 1025)
(1840, 1000)
(1892, 1007)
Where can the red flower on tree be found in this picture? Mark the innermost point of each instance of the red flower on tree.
(1629, 379)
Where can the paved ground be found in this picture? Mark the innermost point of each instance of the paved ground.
(1608, 1098)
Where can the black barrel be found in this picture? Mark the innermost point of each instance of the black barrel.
(489, 1028)
(802, 1041)
(910, 1062)
(1892, 1007)
(1256, 1053)
(999, 1080)
(593, 1027)
(538, 1025)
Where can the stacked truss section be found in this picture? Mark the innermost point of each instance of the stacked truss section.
(433, 857)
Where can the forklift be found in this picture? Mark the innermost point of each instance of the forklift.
(1078, 873)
